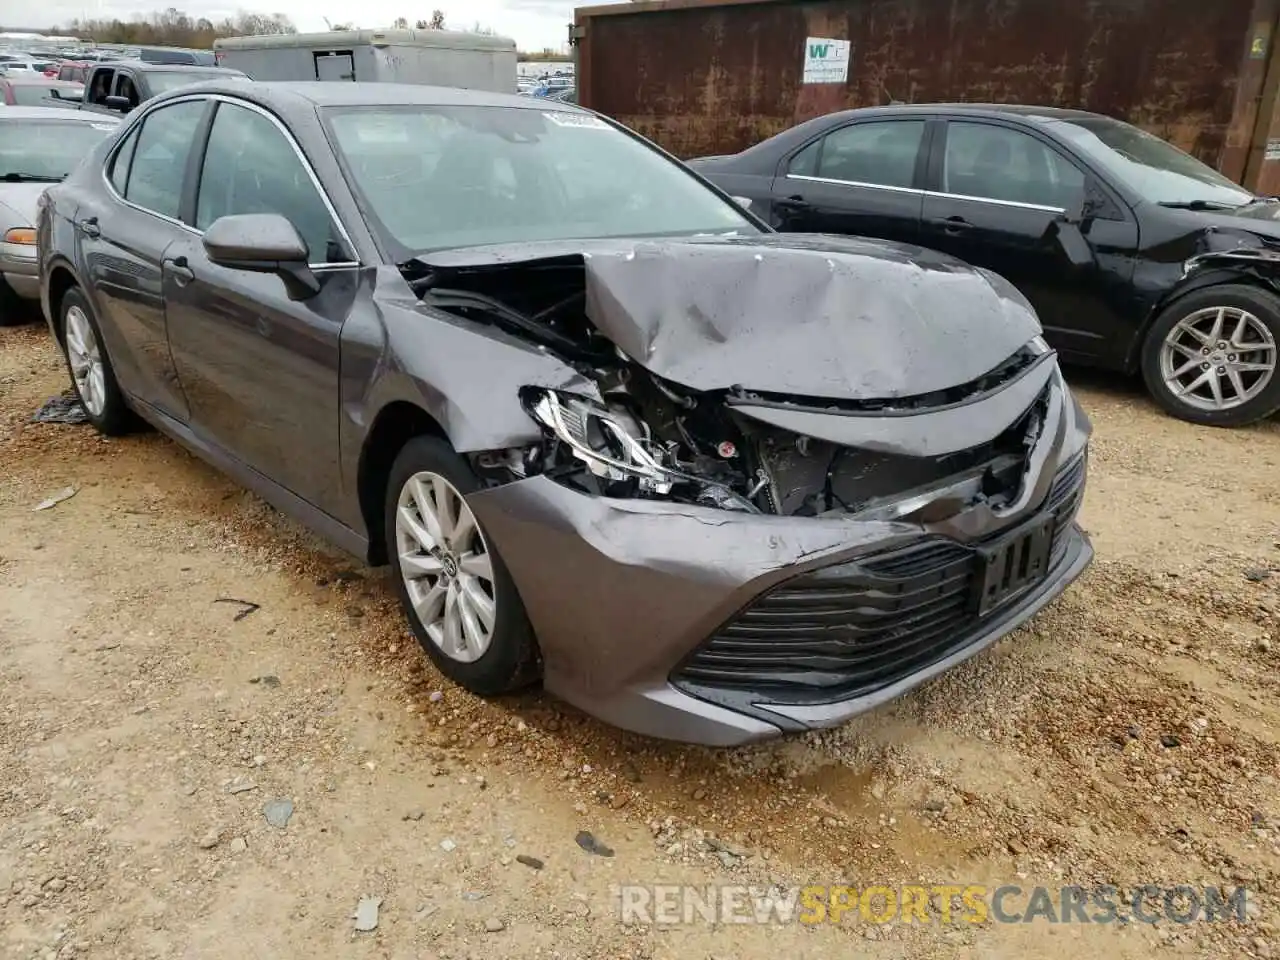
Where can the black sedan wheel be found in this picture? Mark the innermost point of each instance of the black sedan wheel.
(90, 367)
(1211, 357)
(460, 600)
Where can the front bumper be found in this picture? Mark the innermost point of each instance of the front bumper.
(626, 595)
(20, 268)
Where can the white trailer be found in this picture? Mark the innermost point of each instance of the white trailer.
(442, 58)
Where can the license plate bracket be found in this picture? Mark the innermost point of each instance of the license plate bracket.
(1014, 564)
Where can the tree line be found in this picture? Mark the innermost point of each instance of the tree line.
(176, 28)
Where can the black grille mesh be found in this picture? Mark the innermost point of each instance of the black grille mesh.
(853, 628)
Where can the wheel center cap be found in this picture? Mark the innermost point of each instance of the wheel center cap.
(449, 564)
(1217, 358)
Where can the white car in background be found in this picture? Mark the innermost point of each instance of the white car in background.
(39, 146)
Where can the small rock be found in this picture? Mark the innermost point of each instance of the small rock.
(473, 895)
(416, 814)
(1257, 574)
(57, 885)
(267, 680)
(630, 773)
(238, 845)
(699, 794)
(934, 805)
(30, 900)
(619, 801)
(528, 861)
(494, 925)
(877, 790)
(1169, 741)
(241, 786)
(1134, 732)
(587, 841)
(447, 845)
(188, 790)
(209, 840)
(278, 812)
(1264, 644)
(1017, 847)
(436, 696)
(366, 915)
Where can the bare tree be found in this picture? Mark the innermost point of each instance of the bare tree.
(174, 27)
(437, 20)
(400, 23)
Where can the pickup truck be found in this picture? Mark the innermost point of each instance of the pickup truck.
(117, 86)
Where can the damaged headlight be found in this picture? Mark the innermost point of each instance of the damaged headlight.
(609, 441)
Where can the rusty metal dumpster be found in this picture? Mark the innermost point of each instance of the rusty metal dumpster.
(705, 77)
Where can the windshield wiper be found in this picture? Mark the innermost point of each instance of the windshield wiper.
(19, 177)
(1198, 205)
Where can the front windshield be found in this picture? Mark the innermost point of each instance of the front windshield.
(436, 177)
(1153, 168)
(162, 81)
(46, 148)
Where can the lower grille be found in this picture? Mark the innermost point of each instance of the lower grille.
(851, 629)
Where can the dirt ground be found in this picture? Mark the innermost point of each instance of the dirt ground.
(1129, 735)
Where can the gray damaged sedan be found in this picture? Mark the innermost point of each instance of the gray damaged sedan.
(705, 481)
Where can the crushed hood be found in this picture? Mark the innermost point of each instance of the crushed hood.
(815, 315)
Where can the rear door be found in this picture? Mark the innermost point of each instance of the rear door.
(124, 233)
(862, 179)
(261, 370)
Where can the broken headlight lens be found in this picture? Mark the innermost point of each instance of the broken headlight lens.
(610, 442)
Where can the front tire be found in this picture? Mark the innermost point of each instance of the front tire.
(456, 592)
(90, 367)
(1211, 356)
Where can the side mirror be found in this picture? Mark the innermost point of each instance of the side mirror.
(118, 103)
(263, 243)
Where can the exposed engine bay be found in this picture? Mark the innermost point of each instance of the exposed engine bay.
(648, 436)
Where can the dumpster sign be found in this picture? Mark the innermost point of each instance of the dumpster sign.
(825, 60)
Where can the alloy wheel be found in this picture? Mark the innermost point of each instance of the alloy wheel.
(86, 362)
(446, 566)
(1218, 358)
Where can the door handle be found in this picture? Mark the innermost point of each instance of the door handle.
(791, 204)
(89, 227)
(954, 226)
(181, 272)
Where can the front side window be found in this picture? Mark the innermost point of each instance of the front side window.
(436, 177)
(160, 158)
(251, 167)
(100, 86)
(45, 150)
(992, 162)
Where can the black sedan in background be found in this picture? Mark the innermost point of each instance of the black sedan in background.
(1136, 256)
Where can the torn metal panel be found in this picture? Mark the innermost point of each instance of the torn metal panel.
(815, 316)
(926, 433)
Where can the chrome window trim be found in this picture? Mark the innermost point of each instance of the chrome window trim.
(297, 150)
(928, 193)
(856, 183)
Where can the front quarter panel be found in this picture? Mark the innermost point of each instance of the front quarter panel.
(464, 375)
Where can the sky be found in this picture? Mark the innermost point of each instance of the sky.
(533, 24)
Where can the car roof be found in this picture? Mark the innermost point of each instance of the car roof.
(53, 113)
(146, 66)
(281, 94)
(41, 81)
(971, 109)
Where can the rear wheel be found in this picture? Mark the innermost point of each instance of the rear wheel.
(1211, 357)
(90, 367)
(461, 602)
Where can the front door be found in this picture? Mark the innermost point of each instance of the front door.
(860, 179)
(261, 370)
(1002, 199)
(123, 240)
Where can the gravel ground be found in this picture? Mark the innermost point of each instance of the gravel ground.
(178, 780)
